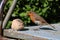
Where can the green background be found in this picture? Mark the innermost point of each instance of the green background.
(48, 9)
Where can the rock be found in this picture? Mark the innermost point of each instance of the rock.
(17, 24)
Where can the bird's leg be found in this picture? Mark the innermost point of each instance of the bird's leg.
(37, 27)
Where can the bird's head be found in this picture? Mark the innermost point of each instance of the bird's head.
(30, 13)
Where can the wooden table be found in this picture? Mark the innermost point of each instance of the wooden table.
(40, 34)
(4, 38)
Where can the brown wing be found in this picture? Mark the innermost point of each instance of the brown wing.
(39, 18)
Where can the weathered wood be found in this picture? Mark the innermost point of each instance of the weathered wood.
(4, 38)
(15, 34)
(35, 34)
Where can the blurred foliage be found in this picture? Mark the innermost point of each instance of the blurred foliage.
(0, 1)
(48, 9)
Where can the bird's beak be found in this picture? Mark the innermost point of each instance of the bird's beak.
(28, 13)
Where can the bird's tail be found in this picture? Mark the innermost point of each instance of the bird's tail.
(50, 25)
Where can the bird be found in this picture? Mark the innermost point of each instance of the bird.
(37, 19)
(17, 24)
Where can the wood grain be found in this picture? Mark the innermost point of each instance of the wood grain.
(34, 34)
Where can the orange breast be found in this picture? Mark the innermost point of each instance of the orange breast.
(32, 18)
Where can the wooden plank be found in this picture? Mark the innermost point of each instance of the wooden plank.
(4, 38)
(35, 35)
(21, 35)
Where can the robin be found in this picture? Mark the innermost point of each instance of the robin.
(38, 19)
(17, 24)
